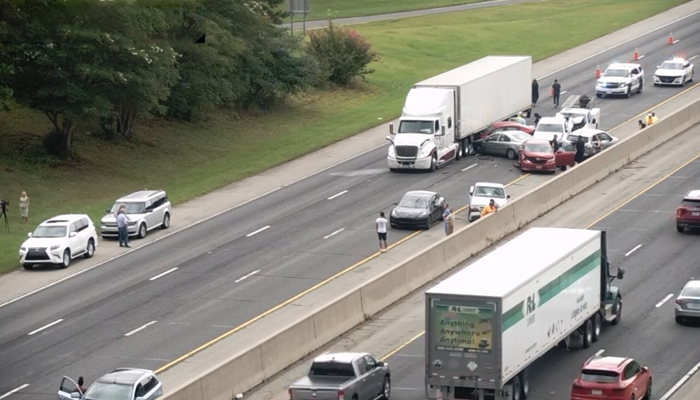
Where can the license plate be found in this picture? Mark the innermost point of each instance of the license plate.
(695, 213)
(597, 392)
(539, 167)
(608, 91)
(694, 306)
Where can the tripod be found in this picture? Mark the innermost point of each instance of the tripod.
(3, 214)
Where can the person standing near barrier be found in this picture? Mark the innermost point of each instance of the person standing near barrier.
(381, 224)
(449, 219)
(642, 125)
(580, 150)
(491, 208)
(555, 143)
(654, 117)
(649, 120)
(556, 92)
(535, 92)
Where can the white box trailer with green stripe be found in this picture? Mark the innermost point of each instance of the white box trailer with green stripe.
(486, 324)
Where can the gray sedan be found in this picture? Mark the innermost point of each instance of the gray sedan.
(502, 144)
(688, 302)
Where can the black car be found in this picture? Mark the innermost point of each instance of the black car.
(419, 208)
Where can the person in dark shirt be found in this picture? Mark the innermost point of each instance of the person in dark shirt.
(580, 149)
(555, 143)
(556, 91)
(642, 125)
(538, 117)
(535, 92)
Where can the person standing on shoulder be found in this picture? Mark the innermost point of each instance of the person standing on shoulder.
(491, 208)
(556, 92)
(580, 150)
(24, 207)
(654, 117)
(381, 231)
(535, 92)
(649, 120)
(122, 227)
(642, 125)
(449, 220)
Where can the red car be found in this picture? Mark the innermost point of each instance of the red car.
(612, 378)
(501, 126)
(538, 155)
(688, 213)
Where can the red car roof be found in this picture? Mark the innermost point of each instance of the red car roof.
(615, 364)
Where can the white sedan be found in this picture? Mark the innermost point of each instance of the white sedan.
(676, 72)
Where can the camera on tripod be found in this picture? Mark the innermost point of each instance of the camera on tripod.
(4, 204)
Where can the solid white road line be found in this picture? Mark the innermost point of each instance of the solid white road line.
(599, 352)
(258, 231)
(247, 276)
(693, 57)
(676, 41)
(141, 328)
(640, 57)
(334, 233)
(58, 321)
(680, 383)
(633, 250)
(563, 92)
(14, 391)
(665, 299)
(469, 167)
(337, 195)
(163, 274)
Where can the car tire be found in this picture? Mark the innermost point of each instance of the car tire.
(691, 76)
(429, 222)
(680, 229)
(587, 334)
(28, 266)
(166, 221)
(142, 231)
(641, 86)
(386, 388)
(89, 249)
(679, 320)
(599, 95)
(597, 326)
(433, 163)
(511, 154)
(647, 394)
(65, 261)
(629, 92)
(618, 314)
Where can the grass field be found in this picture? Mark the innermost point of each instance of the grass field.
(191, 159)
(322, 9)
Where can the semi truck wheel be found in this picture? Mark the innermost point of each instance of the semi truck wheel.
(433, 163)
(618, 311)
(525, 382)
(517, 388)
(597, 326)
(460, 146)
(587, 334)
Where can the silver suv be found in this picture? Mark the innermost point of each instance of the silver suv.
(146, 210)
(119, 384)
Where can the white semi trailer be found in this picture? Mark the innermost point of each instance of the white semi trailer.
(443, 115)
(488, 323)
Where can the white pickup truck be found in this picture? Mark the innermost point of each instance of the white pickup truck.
(581, 117)
(481, 194)
(550, 126)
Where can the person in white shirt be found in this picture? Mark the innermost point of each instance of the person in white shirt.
(381, 231)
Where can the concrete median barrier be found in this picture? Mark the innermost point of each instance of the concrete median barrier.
(297, 338)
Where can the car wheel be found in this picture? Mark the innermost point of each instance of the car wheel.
(429, 222)
(587, 334)
(511, 154)
(629, 92)
(680, 228)
(618, 312)
(386, 389)
(641, 86)
(66, 259)
(679, 320)
(142, 231)
(691, 77)
(166, 221)
(647, 394)
(598, 95)
(433, 162)
(597, 326)
(90, 249)
(28, 266)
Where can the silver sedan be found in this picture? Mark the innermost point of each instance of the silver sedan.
(688, 302)
(502, 144)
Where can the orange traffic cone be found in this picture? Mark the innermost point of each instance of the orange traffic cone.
(597, 71)
(670, 38)
(635, 57)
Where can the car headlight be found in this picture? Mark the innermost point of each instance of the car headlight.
(22, 249)
(55, 247)
(131, 223)
(392, 151)
(424, 213)
(624, 84)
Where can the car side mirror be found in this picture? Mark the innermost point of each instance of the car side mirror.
(391, 129)
(508, 197)
(620, 273)
(396, 203)
(380, 363)
(442, 130)
(75, 395)
(107, 211)
(29, 234)
(471, 190)
(73, 234)
(645, 369)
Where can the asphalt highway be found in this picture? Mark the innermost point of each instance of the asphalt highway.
(157, 303)
(658, 262)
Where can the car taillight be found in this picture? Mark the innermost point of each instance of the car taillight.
(341, 395)
(680, 302)
(577, 385)
(681, 211)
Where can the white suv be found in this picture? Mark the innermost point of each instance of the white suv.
(146, 210)
(59, 240)
(620, 79)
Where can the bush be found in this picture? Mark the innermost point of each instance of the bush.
(341, 53)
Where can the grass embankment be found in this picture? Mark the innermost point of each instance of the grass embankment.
(321, 9)
(191, 159)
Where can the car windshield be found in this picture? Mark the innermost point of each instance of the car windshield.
(570, 115)
(520, 136)
(574, 138)
(598, 376)
(332, 369)
(489, 191)
(550, 127)
(108, 391)
(131, 208)
(691, 291)
(43, 231)
(537, 148)
(414, 201)
(671, 65)
(617, 73)
(691, 202)
(426, 127)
